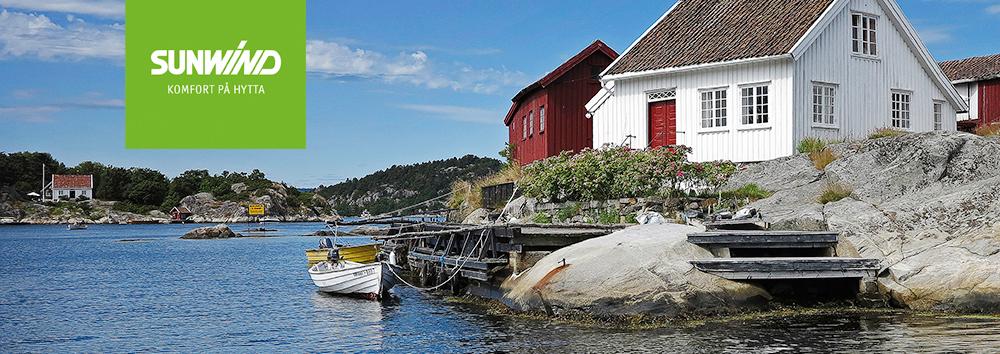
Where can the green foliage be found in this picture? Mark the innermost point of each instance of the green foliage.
(609, 216)
(132, 208)
(508, 153)
(811, 145)
(620, 173)
(23, 170)
(542, 218)
(748, 191)
(568, 212)
(886, 133)
(427, 180)
(834, 192)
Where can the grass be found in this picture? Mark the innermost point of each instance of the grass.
(568, 212)
(609, 216)
(989, 130)
(886, 133)
(470, 193)
(833, 193)
(811, 145)
(749, 191)
(542, 218)
(823, 158)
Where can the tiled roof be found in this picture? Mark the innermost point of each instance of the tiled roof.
(72, 181)
(973, 69)
(707, 31)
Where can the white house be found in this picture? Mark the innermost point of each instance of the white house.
(978, 82)
(71, 187)
(746, 80)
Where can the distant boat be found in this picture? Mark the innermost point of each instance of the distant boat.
(372, 280)
(76, 226)
(269, 219)
(366, 215)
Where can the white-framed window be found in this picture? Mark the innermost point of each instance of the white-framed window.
(541, 119)
(531, 123)
(524, 127)
(713, 107)
(938, 115)
(863, 34)
(901, 109)
(755, 107)
(824, 104)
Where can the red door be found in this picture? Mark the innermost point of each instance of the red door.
(662, 123)
(989, 102)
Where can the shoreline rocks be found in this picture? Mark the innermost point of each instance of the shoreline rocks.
(211, 232)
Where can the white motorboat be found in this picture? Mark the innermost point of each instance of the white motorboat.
(351, 278)
(76, 226)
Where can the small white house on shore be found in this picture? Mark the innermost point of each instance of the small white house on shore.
(746, 80)
(71, 187)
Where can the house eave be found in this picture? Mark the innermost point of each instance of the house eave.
(696, 67)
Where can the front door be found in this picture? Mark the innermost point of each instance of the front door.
(662, 123)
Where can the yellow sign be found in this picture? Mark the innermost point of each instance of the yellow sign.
(255, 209)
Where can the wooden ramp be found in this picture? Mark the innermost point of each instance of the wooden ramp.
(788, 268)
(764, 239)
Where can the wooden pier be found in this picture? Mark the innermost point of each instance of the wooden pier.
(788, 268)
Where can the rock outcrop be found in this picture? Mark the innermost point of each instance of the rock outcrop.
(927, 205)
(275, 199)
(211, 232)
(641, 270)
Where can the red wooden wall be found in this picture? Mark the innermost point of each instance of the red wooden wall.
(566, 125)
(989, 102)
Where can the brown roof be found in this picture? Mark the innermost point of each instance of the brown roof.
(707, 31)
(597, 47)
(72, 181)
(181, 210)
(973, 69)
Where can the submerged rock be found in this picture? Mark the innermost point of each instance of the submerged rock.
(926, 205)
(211, 232)
(641, 270)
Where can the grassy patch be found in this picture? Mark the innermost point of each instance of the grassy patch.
(542, 218)
(886, 133)
(989, 130)
(568, 212)
(823, 158)
(811, 145)
(834, 192)
(748, 191)
(609, 216)
(471, 193)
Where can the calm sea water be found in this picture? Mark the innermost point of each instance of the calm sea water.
(86, 291)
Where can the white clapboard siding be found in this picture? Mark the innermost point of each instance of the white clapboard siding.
(863, 98)
(626, 113)
(970, 93)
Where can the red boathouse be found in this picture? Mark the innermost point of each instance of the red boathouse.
(549, 117)
(978, 81)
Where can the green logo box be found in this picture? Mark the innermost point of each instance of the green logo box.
(215, 74)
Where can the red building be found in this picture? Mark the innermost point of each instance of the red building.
(549, 117)
(978, 81)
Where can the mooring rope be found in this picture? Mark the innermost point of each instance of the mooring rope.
(466, 259)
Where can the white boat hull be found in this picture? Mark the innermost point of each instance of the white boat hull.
(350, 278)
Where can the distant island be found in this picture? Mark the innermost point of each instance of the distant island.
(128, 195)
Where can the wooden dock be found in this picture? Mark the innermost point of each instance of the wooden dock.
(788, 268)
(764, 239)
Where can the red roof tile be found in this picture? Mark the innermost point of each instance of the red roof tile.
(973, 69)
(72, 181)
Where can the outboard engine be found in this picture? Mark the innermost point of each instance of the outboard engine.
(326, 243)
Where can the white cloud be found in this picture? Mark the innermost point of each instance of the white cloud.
(337, 60)
(102, 8)
(33, 35)
(456, 113)
(42, 113)
(995, 9)
(932, 35)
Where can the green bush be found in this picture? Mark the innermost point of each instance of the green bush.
(811, 145)
(619, 172)
(886, 133)
(568, 212)
(834, 192)
(133, 208)
(542, 218)
(609, 216)
(749, 191)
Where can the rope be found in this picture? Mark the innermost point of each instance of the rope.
(466, 259)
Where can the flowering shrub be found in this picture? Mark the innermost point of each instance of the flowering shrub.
(619, 172)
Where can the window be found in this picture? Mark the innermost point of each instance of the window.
(863, 34)
(541, 119)
(755, 107)
(937, 115)
(823, 104)
(524, 127)
(531, 123)
(713, 108)
(901, 110)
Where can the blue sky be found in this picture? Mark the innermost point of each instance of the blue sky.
(391, 82)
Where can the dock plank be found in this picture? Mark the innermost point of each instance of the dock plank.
(764, 239)
(788, 268)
